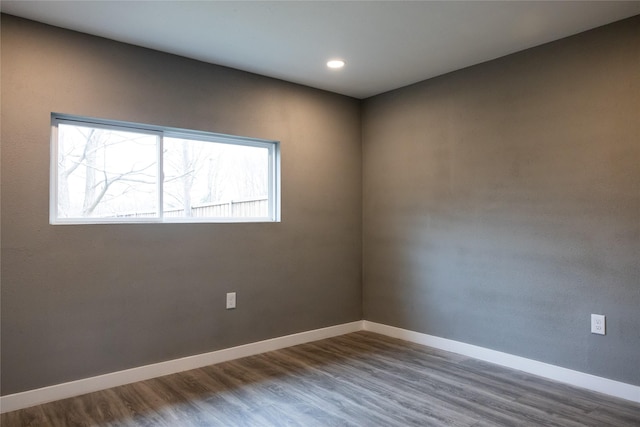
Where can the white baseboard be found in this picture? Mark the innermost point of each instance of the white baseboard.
(556, 373)
(29, 398)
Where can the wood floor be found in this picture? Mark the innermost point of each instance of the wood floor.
(359, 379)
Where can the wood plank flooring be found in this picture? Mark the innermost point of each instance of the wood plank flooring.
(359, 379)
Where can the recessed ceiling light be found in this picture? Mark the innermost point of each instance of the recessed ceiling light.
(335, 63)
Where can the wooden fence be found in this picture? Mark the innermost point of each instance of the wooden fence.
(250, 207)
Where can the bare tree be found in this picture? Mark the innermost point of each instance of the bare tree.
(88, 149)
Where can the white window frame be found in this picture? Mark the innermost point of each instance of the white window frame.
(161, 132)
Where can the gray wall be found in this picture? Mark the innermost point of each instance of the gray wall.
(502, 203)
(79, 301)
(501, 208)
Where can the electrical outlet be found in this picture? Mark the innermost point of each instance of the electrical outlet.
(231, 300)
(598, 324)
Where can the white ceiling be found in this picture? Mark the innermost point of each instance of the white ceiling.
(386, 44)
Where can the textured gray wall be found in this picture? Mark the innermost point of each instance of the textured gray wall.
(501, 208)
(79, 301)
(502, 203)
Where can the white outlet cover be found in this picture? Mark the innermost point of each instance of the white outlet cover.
(231, 300)
(598, 324)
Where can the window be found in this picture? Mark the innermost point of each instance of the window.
(104, 171)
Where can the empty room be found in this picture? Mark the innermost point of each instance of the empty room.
(323, 213)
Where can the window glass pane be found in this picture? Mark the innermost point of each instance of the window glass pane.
(106, 173)
(214, 180)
